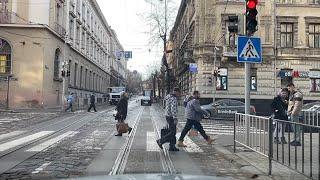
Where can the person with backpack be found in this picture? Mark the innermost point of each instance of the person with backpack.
(194, 114)
(171, 118)
(279, 109)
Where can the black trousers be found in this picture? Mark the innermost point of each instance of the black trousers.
(171, 136)
(196, 125)
(92, 105)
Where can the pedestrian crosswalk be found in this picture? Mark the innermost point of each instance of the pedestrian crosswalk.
(214, 128)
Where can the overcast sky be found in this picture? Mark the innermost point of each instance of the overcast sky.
(123, 17)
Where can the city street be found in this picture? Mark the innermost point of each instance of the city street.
(83, 144)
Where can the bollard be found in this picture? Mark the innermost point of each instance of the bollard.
(270, 128)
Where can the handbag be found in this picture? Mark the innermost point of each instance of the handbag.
(122, 127)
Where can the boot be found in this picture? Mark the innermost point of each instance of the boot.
(210, 140)
(173, 149)
(180, 144)
(277, 141)
(283, 140)
(129, 130)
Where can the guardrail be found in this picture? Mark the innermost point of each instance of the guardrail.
(263, 135)
(311, 117)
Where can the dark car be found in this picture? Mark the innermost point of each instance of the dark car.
(146, 100)
(226, 108)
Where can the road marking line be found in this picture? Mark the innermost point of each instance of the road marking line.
(191, 146)
(52, 141)
(13, 133)
(41, 168)
(151, 142)
(17, 142)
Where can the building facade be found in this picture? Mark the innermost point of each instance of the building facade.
(289, 31)
(39, 40)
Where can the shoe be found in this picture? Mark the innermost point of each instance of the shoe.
(295, 143)
(276, 141)
(210, 140)
(180, 144)
(283, 140)
(159, 144)
(118, 135)
(173, 149)
(129, 130)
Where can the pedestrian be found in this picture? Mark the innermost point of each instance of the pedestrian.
(279, 108)
(70, 100)
(194, 114)
(92, 103)
(294, 112)
(171, 118)
(186, 100)
(122, 110)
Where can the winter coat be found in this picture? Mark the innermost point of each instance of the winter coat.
(171, 106)
(92, 99)
(194, 111)
(122, 108)
(295, 103)
(279, 107)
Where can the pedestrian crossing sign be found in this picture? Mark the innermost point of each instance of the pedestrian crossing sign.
(249, 49)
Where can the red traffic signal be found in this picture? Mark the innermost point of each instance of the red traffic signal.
(251, 4)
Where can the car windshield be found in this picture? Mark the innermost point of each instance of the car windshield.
(157, 87)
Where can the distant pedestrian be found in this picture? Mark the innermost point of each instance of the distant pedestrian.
(70, 100)
(194, 114)
(122, 110)
(92, 103)
(279, 108)
(171, 118)
(294, 111)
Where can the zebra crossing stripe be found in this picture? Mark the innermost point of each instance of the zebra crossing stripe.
(191, 146)
(52, 141)
(11, 134)
(41, 168)
(151, 142)
(17, 142)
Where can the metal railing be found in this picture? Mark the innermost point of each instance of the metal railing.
(311, 117)
(272, 138)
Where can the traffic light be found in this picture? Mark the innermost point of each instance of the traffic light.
(210, 80)
(233, 24)
(68, 73)
(251, 16)
(63, 73)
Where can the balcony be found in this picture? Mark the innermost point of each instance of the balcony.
(300, 52)
(5, 18)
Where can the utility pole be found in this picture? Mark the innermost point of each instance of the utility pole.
(214, 73)
(8, 90)
(64, 69)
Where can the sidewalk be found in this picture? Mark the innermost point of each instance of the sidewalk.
(252, 162)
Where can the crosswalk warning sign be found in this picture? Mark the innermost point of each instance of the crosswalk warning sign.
(249, 51)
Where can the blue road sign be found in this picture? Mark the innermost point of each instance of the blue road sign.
(128, 54)
(193, 67)
(249, 49)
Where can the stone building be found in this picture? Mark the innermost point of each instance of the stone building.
(290, 34)
(37, 39)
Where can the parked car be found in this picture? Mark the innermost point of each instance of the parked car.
(146, 100)
(226, 108)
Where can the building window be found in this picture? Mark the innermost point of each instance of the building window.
(314, 1)
(253, 80)
(286, 77)
(58, 13)
(78, 36)
(314, 35)
(315, 85)
(69, 70)
(83, 40)
(81, 71)
(71, 27)
(75, 74)
(287, 1)
(56, 64)
(85, 79)
(83, 12)
(286, 34)
(222, 79)
(5, 57)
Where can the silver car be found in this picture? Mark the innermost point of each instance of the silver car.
(226, 108)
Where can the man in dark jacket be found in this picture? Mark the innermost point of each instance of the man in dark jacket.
(171, 117)
(122, 108)
(279, 107)
(92, 103)
(194, 114)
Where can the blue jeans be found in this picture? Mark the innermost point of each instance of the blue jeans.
(296, 128)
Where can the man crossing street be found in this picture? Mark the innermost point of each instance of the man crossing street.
(92, 103)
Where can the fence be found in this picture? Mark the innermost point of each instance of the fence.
(263, 135)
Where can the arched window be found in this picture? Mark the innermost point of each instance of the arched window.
(5, 57)
(56, 63)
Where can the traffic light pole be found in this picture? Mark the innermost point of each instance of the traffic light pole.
(213, 74)
(64, 63)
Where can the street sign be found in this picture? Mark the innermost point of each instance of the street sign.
(128, 54)
(193, 67)
(249, 49)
